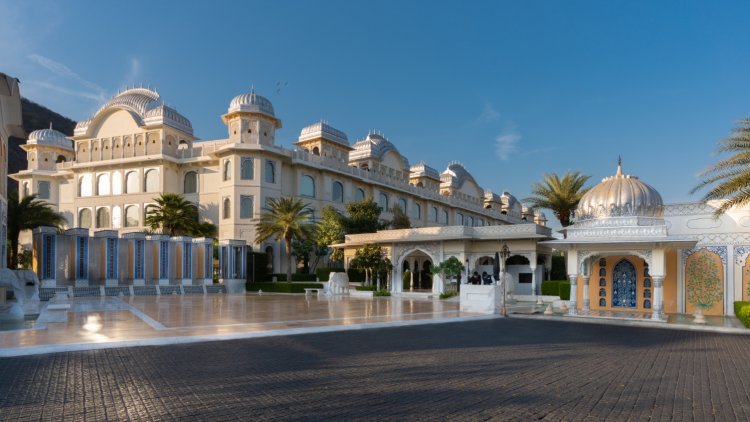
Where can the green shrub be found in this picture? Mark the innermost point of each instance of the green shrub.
(366, 288)
(381, 293)
(557, 272)
(742, 312)
(406, 279)
(282, 287)
(551, 288)
(356, 275)
(564, 290)
(295, 277)
(446, 295)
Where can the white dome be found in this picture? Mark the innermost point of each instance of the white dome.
(620, 196)
(50, 137)
(252, 103)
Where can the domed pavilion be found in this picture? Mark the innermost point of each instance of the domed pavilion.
(619, 250)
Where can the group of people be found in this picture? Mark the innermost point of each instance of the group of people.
(483, 279)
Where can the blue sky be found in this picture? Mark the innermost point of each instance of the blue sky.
(510, 89)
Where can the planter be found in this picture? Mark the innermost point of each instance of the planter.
(699, 318)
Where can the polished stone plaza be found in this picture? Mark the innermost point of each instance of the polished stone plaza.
(500, 369)
(155, 320)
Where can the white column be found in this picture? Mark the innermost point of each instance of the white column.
(586, 300)
(573, 294)
(533, 282)
(658, 312)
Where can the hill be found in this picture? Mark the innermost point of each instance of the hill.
(35, 116)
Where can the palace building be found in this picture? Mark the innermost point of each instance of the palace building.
(135, 147)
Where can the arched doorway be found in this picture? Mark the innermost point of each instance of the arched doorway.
(419, 278)
(624, 281)
(485, 264)
(518, 270)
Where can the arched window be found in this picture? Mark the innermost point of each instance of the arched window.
(402, 204)
(433, 214)
(116, 217)
(146, 210)
(338, 192)
(246, 206)
(60, 159)
(383, 201)
(26, 189)
(84, 218)
(308, 186)
(151, 182)
(444, 217)
(316, 151)
(470, 221)
(131, 182)
(359, 194)
(131, 216)
(459, 219)
(270, 172)
(102, 184)
(417, 211)
(246, 168)
(191, 182)
(102, 218)
(226, 208)
(116, 183)
(43, 189)
(226, 173)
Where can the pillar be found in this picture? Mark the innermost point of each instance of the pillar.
(586, 299)
(204, 260)
(573, 294)
(109, 256)
(658, 305)
(159, 252)
(136, 248)
(182, 255)
(79, 256)
(45, 255)
(233, 265)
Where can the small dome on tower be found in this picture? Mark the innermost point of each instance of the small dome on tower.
(252, 103)
(620, 196)
(50, 137)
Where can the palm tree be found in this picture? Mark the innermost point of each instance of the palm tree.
(26, 214)
(730, 178)
(287, 219)
(561, 195)
(173, 214)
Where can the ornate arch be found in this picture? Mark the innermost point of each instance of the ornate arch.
(401, 252)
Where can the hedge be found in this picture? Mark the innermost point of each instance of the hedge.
(556, 288)
(356, 275)
(742, 312)
(282, 287)
(381, 293)
(557, 271)
(564, 290)
(295, 277)
(324, 272)
(366, 288)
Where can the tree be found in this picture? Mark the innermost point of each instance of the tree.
(285, 219)
(561, 195)
(400, 219)
(303, 248)
(729, 178)
(370, 259)
(450, 268)
(203, 229)
(172, 214)
(363, 217)
(331, 231)
(27, 214)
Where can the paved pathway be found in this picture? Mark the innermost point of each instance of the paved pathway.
(493, 369)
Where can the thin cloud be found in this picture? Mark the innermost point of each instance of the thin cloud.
(63, 71)
(488, 114)
(134, 72)
(506, 144)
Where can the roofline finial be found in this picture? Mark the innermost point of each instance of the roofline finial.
(50, 125)
(619, 165)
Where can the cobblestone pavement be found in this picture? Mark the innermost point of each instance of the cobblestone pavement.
(493, 369)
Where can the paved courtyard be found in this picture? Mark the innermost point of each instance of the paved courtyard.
(503, 369)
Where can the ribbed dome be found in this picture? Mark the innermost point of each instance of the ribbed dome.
(252, 103)
(49, 137)
(620, 196)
